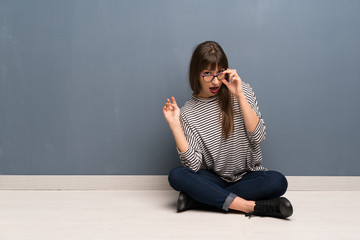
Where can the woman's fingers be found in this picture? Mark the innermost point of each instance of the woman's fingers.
(230, 71)
(174, 101)
(164, 109)
(166, 106)
(225, 82)
(232, 75)
(169, 105)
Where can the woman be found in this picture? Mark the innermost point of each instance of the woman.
(217, 133)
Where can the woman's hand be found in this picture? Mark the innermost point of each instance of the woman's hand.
(235, 84)
(171, 112)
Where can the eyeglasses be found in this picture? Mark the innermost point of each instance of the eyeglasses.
(210, 77)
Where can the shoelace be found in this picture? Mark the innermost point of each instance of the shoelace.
(249, 214)
(265, 208)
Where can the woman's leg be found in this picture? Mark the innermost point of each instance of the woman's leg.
(202, 186)
(208, 188)
(260, 185)
(240, 204)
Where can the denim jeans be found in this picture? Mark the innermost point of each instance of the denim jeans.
(208, 188)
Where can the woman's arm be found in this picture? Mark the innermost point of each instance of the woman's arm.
(185, 140)
(235, 87)
(180, 139)
(172, 115)
(254, 125)
(250, 118)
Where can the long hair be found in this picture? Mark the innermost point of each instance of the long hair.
(210, 55)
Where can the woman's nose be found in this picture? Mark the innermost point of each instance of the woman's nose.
(215, 80)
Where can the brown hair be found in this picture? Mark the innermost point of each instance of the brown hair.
(210, 54)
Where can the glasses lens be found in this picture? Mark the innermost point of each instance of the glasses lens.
(208, 78)
(221, 76)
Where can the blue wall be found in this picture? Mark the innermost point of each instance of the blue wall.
(83, 83)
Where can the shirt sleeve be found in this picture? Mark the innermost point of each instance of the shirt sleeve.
(258, 136)
(192, 157)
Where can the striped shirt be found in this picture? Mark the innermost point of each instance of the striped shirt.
(231, 158)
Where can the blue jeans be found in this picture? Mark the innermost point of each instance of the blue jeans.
(208, 188)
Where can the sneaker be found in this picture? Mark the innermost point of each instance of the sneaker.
(184, 202)
(277, 207)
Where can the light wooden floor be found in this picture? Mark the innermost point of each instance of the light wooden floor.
(150, 214)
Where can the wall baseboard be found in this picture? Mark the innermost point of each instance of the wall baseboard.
(155, 182)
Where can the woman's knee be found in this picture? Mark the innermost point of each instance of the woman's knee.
(175, 177)
(282, 183)
(279, 183)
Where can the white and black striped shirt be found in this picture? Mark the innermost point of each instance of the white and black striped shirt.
(231, 158)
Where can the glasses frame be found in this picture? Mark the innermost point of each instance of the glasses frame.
(213, 75)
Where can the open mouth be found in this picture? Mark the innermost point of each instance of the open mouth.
(214, 89)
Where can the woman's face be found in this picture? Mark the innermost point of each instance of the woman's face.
(210, 89)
